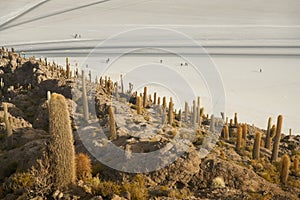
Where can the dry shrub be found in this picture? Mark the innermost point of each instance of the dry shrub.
(83, 167)
(137, 188)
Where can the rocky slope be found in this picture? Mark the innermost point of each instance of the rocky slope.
(224, 173)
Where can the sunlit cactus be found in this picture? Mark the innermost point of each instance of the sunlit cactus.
(268, 134)
(256, 146)
(84, 99)
(61, 148)
(68, 72)
(145, 97)
(277, 139)
(285, 168)
(8, 125)
(296, 166)
(154, 98)
(112, 124)
(139, 105)
(186, 111)
(239, 139)
(236, 119)
(122, 84)
(170, 114)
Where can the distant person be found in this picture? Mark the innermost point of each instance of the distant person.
(76, 35)
(181, 64)
(107, 60)
(186, 64)
(260, 70)
(160, 61)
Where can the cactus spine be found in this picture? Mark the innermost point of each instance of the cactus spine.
(112, 124)
(84, 99)
(145, 97)
(277, 139)
(8, 122)
(239, 139)
(268, 135)
(62, 153)
(256, 146)
(285, 161)
(296, 166)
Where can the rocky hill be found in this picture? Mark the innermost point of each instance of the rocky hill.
(47, 110)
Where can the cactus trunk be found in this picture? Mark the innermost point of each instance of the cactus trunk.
(277, 139)
(256, 146)
(61, 148)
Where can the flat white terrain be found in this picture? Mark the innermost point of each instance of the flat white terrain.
(241, 37)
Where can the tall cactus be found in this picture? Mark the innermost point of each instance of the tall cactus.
(256, 146)
(277, 139)
(201, 116)
(198, 108)
(145, 97)
(212, 124)
(164, 103)
(158, 101)
(154, 98)
(138, 105)
(170, 114)
(296, 166)
(226, 132)
(68, 68)
(61, 148)
(285, 169)
(8, 122)
(112, 124)
(239, 139)
(186, 111)
(236, 119)
(194, 112)
(122, 84)
(268, 134)
(245, 132)
(84, 99)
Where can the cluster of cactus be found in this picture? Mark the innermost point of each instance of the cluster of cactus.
(61, 148)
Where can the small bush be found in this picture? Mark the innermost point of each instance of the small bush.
(104, 188)
(19, 181)
(83, 167)
(137, 188)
